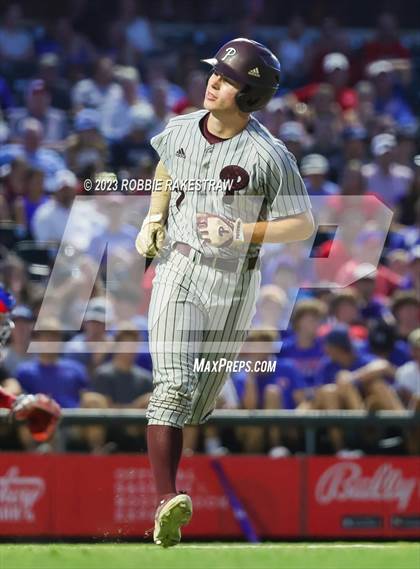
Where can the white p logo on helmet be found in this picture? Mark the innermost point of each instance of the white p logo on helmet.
(229, 52)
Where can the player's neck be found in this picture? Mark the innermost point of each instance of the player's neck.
(226, 125)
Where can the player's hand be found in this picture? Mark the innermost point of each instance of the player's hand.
(218, 230)
(150, 238)
(40, 412)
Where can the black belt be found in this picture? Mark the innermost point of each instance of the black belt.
(229, 265)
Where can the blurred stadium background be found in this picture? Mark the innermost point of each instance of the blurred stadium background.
(83, 87)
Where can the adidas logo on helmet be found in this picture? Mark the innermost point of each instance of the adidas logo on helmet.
(254, 72)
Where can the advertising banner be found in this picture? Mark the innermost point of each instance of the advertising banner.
(108, 497)
(374, 496)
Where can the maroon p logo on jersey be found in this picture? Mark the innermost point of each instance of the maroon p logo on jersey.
(238, 179)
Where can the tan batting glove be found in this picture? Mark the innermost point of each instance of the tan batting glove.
(151, 236)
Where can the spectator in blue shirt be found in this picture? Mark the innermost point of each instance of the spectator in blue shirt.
(390, 99)
(344, 311)
(5, 95)
(305, 348)
(341, 355)
(405, 308)
(279, 386)
(412, 279)
(371, 306)
(94, 332)
(62, 379)
(254, 389)
(314, 169)
(358, 380)
(49, 161)
(383, 343)
(117, 236)
(349, 380)
(26, 205)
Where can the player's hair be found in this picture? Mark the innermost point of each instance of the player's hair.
(308, 306)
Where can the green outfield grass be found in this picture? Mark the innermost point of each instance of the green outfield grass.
(213, 556)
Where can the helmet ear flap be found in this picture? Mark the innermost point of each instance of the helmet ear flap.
(244, 101)
(252, 99)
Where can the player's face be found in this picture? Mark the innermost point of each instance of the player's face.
(220, 93)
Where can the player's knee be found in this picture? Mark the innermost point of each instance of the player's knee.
(172, 407)
(178, 398)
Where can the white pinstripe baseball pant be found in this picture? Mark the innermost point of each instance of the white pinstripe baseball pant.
(196, 311)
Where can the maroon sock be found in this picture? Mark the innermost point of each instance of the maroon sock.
(164, 445)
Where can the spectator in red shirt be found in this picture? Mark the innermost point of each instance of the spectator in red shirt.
(390, 276)
(336, 68)
(331, 39)
(386, 43)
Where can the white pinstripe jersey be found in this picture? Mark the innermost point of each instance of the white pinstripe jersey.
(267, 182)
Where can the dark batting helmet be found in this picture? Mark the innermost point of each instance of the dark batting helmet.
(252, 65)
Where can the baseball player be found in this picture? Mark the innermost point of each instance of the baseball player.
(39, 411)
(207, 280)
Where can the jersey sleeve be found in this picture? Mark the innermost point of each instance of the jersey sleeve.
(285, 190)
(161, 143)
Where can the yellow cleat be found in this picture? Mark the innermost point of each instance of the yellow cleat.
(170, 516)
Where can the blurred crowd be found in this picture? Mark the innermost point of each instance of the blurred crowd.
(72, 109)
